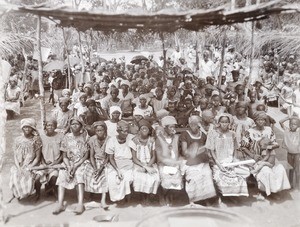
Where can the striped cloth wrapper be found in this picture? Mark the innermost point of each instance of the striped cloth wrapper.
(93, 185)
(21, 183)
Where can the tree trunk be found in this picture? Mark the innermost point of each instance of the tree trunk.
(68, 60)
(3, 217)
(164, 52)
(232, 5)
(222, 56)
(81, 57)
(40, 72)
(251, 57)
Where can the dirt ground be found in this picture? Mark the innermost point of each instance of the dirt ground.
(270, 212)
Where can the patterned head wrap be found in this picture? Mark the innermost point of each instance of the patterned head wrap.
(260, 115)
(168, 120)
(29, 122)
(99, 123)
(229, 116)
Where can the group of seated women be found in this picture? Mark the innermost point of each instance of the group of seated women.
(212, 158)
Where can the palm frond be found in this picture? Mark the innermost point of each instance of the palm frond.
(11, 43)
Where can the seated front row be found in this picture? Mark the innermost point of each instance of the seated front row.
(196, 161)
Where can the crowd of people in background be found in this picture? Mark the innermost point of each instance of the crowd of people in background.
(157, 128)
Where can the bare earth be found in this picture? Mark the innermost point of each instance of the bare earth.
(270, 212)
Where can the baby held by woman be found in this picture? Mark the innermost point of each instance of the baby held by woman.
(267, 155)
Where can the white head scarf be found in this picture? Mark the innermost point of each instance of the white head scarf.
(113, 109)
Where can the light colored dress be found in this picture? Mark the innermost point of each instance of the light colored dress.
(143, 181)
(75, 148)
(118, 188)
(148, 112)
(270, 180)
(158, 104)
(199, 183)
(111, 128)
(11, 93)
(51, 153)
(62, 118)
(22, 181)
(232, 182)
(80, 109)
(99, 185)
(127, 102)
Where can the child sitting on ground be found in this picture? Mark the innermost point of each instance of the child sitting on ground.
(267, 155)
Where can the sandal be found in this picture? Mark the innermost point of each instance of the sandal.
(59, 210)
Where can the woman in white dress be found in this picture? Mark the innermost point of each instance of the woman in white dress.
(12, 98)
(145, 173)
(119, 169)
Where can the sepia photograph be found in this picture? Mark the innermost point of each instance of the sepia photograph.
(150, 113)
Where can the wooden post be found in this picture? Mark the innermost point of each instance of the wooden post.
(68, 59)
(91, 50)
(24, 75)
(3, 216)
(197, 54)
(232, 6)
(222, 56)
(40, 72)
(81, 57)
(164, 51)
(251, 57)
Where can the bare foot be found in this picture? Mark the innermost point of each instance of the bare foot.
(58, 210)
(79, 209)
(104, 206)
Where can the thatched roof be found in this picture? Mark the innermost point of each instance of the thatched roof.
(165, 20)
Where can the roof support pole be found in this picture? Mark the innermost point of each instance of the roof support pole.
(40, 72)
(81, 58)
(197, 54)
(161, 35)
(3, 215)
(232, 5)
(68, 59)
(251, 58)
(222, 56)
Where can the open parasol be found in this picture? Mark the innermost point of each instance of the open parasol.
(137, 59)
(54, 65)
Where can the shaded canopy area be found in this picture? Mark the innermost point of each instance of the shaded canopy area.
(164, 20)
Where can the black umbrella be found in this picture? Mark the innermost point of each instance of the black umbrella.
(137, 59)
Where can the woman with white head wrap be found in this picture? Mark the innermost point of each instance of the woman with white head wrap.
(27, 154)
(126, 96)
(115, 114)
(12, 98)
(169, 159)
(198, 175)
